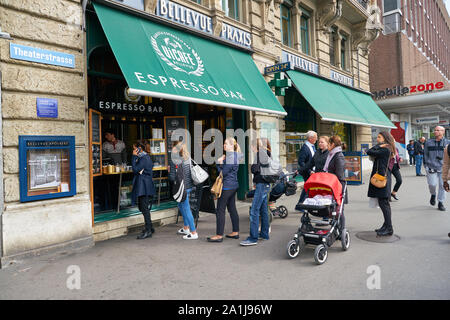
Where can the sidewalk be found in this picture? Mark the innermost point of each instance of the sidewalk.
(168, 267)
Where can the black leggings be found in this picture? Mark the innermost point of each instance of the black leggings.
(398, 177)
(386, 208)
(143, 203)
(227, 200)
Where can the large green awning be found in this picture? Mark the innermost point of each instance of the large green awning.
(163, 62)
(334, 102)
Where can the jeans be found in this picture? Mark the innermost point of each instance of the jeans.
(419, 159)
(412, 159)
(433, 180)
(259, 208)
(185, 209)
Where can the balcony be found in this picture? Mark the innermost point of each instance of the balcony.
(355, 11)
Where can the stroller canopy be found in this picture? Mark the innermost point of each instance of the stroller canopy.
(324, 183)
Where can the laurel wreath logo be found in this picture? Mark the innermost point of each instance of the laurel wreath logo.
(200, 66)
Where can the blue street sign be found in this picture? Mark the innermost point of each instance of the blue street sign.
(285, 66)
(19, 52)
(47, 108)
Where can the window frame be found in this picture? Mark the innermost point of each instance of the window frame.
(225, 8)
(288, 19)
(305, 29)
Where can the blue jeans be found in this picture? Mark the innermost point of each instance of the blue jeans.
(185, 209)
(259, 208)
(419, 158)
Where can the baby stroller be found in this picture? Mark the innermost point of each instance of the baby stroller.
(330, 212)
(281, 186)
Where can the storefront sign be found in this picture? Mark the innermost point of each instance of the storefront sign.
(183, 15)
(426, 120)
(299, 62)
(192, 19)
(47, 108)
(338, 77)
(277, 68)
(37, 55)
(400, 90)
(120, 107)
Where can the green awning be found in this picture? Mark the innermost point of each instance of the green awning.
(163, 62)
(334, 102)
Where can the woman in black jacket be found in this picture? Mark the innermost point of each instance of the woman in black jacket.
(317, 163)
(143, 187)
(381, 154)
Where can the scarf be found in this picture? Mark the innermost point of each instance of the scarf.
(330, 156)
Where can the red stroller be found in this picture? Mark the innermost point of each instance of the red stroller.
(331, 215)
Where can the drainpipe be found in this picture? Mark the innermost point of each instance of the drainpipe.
(357, 59)
(84, 5)
(2, 202)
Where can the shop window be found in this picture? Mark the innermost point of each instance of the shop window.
(344, 131)
(232, 8)
(286, 25)
(304, 32)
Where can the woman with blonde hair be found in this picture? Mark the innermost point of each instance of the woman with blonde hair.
(181, 160)
(228, 165)
(260, 200)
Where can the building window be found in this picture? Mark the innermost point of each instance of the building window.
(304, 32)
(333, 40)
(343, 53)
(231, 8)
(392, 23)
(390, 5)
(286, 25)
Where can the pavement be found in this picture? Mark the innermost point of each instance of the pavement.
(168, 267)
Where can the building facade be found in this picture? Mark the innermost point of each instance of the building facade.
(409, 67)
(64, 52)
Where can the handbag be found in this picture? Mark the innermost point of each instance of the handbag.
(198, 174)
(216, 189)
(378, 180)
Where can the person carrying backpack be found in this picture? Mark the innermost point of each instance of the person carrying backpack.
(260, 200)
(180, 174)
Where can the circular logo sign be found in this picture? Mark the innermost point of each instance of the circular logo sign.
(177, 54)
(131, 97)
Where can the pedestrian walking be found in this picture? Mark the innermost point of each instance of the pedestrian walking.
(260, 200)
(181, 160)
(394, 167)
(379, 196)
(418, 155)
(433, 158)
(317, 162)
(228, 165)
(410, 149)
(143, 188)
(306, 153)
(445, 170)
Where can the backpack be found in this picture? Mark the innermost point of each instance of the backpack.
(178, 189)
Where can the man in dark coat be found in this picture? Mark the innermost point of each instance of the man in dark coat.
(304, 156)
(143, 187)
(418, 155)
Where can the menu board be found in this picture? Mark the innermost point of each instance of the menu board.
(96, 160)
(95, 142)
(353, 167)
(95, 126)
(170, 125)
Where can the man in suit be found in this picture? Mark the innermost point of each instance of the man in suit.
(304, 156)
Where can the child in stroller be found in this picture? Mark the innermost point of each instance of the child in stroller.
(282, 186)
(326, 201)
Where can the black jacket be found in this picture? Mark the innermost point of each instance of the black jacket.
(304, 156)
(337, 166)
(142, 182)
(418, 148)
(381, 160)
(318, 161)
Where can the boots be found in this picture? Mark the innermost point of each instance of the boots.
(381, 229)
(388, 231)
(145, 234)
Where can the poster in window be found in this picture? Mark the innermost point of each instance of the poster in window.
(352, 169)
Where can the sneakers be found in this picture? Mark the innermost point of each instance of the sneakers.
(183, 231)
(433, 200)
(248, 243)
(191, 236)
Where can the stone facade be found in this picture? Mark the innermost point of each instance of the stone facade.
(57, 25)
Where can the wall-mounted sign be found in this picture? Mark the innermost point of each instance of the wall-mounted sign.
(299, 62)
(338, 77)
(400, 90)
(426, 120)
(193, 19)
(285, 66)
(37, 55)
(120, 107)
(47, 108)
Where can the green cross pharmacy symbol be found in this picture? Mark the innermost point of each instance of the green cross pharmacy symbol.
(280, 83)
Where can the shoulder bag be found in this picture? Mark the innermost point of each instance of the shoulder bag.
(216, 189)
(378, 180)
(198, 175)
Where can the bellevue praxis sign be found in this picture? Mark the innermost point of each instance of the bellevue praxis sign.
(26, 53)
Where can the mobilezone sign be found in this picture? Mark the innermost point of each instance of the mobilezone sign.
(172, 64)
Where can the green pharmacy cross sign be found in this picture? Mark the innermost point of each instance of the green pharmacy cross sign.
(280, 83)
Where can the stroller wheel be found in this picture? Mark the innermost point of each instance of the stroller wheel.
(321, 254)
(345, 240)
(293, 248)
(283, 212)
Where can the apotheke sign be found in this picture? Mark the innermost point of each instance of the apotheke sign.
(192, 19)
